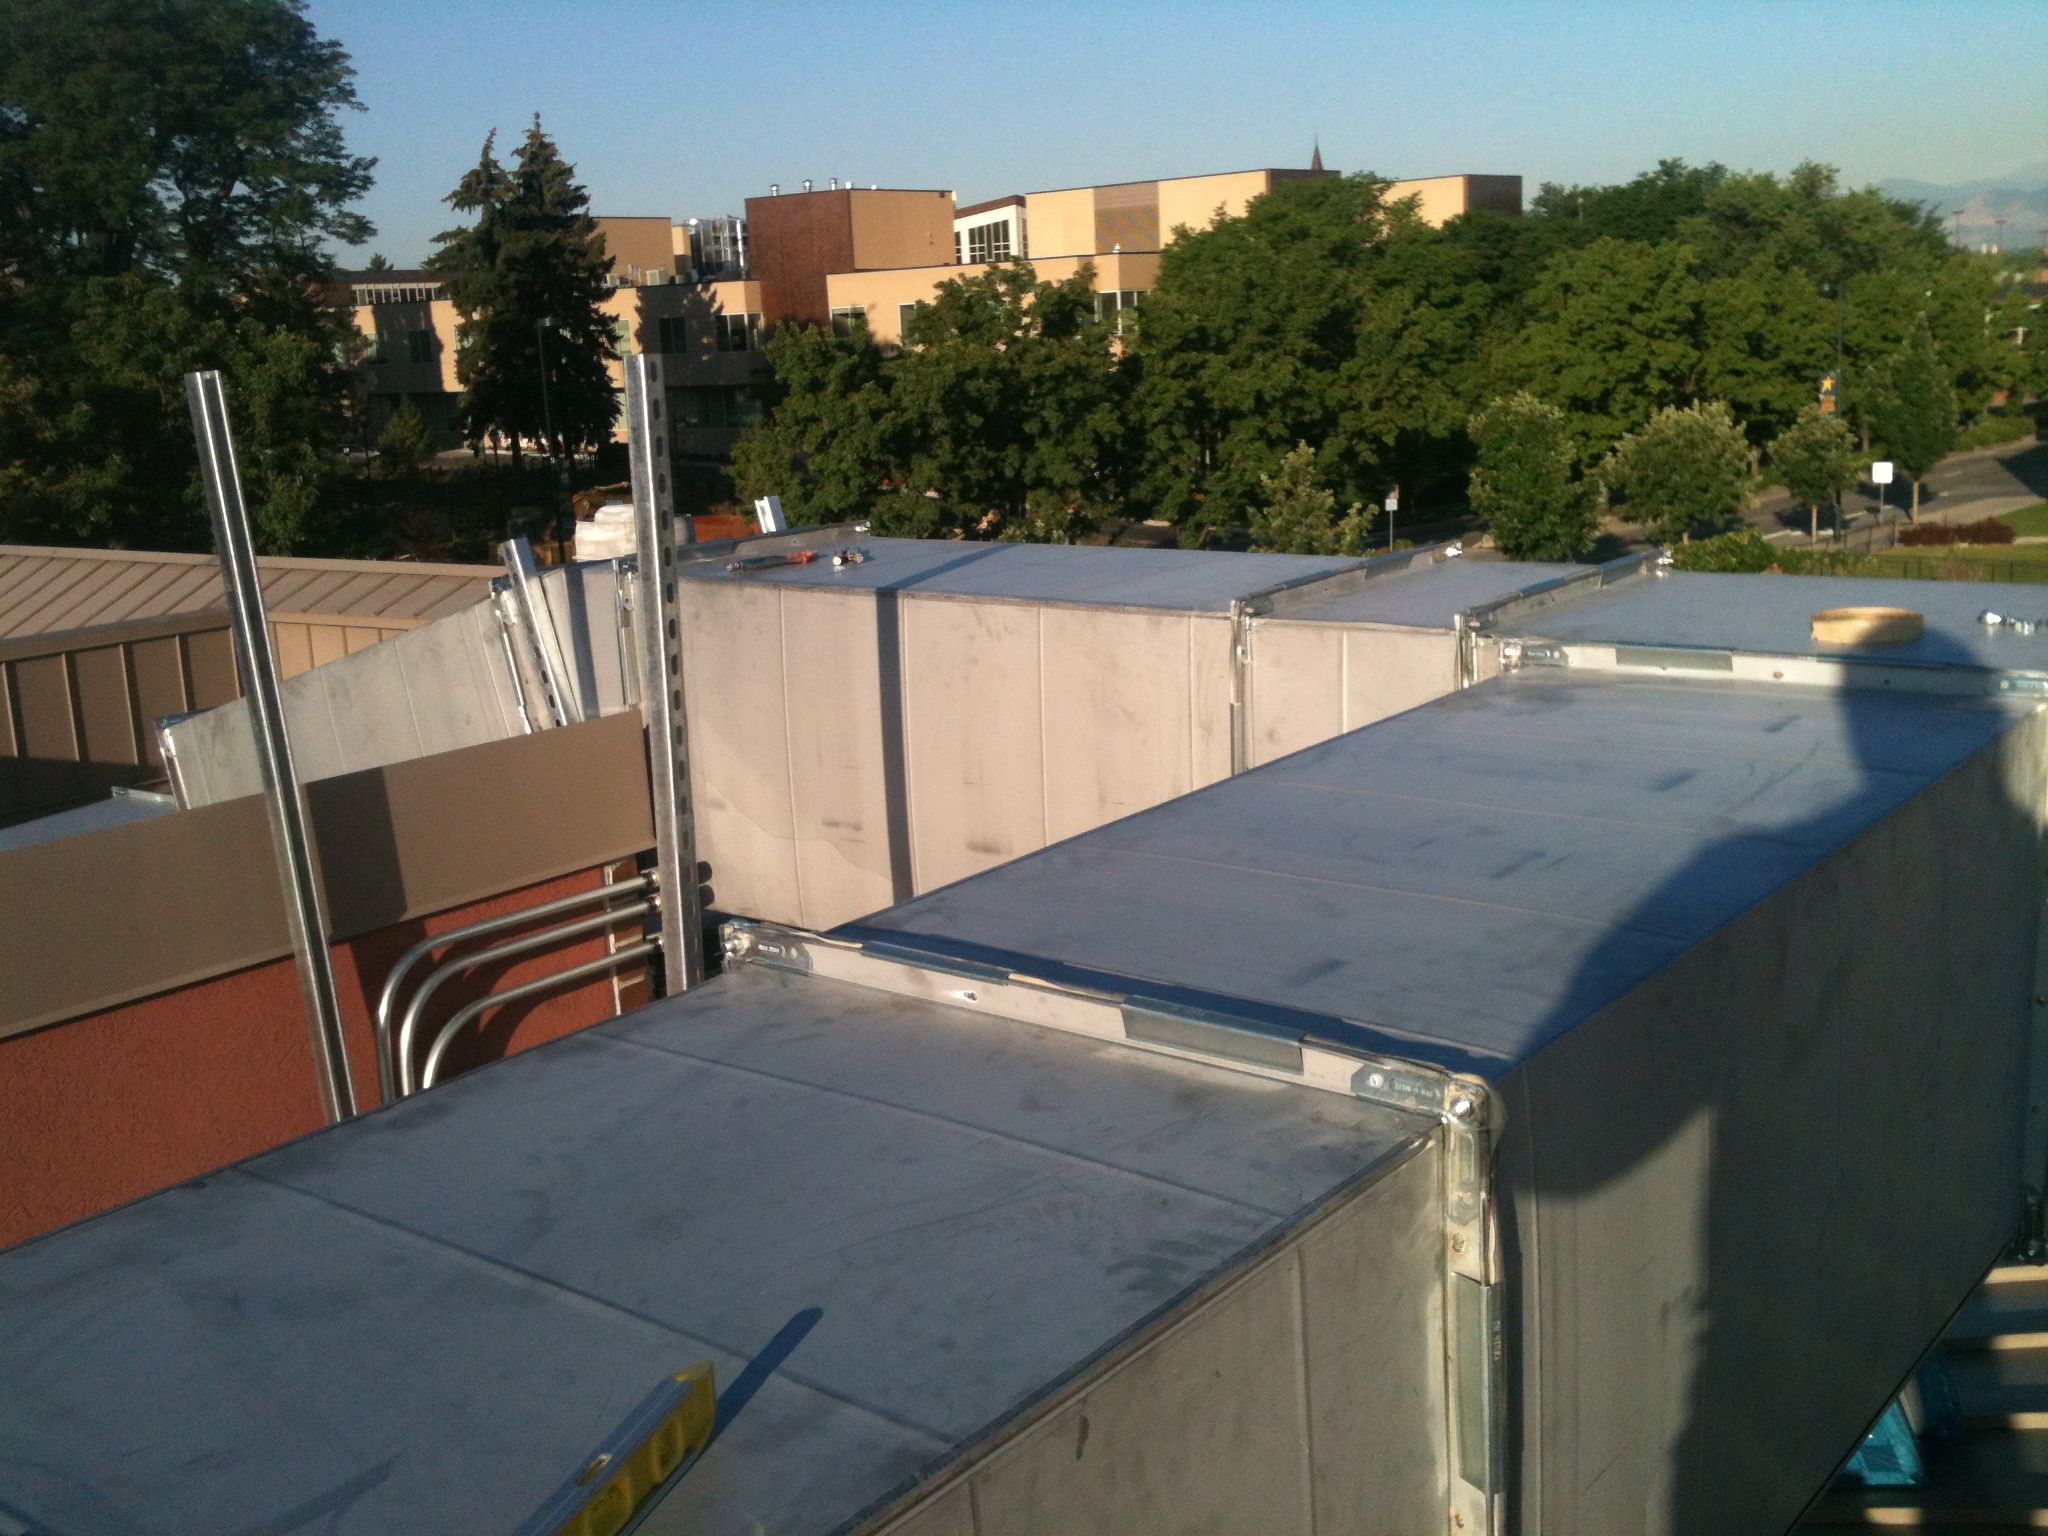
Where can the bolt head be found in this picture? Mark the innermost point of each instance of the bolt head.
(1462, 1107)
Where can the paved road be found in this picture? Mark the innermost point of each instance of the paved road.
(1981, 483)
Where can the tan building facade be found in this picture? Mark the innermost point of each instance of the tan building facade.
(1120, 227)
(839, 255)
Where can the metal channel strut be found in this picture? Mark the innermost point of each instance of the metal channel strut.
(659, 535)
(1292, 595)
(305, 904)
(1468, 1113)
(387, 999)
(530, 605)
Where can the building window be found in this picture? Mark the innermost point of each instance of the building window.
(675, 333)
(905, 313)
(397, 293)
(419, 348)
(622, 336)
(716, 407)
(988, 242)
(738, 333)
(850, 318)
(1112, 306)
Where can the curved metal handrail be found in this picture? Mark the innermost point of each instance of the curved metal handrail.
(387, 1076)
(431, 1072)
(509, 950)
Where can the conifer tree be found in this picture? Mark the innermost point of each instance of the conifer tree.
(527, 278)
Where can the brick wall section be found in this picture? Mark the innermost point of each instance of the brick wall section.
(116, 1105)
(796, 239)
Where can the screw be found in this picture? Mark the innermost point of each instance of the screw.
(1462, 1107)
(1457, 1520)
(1457, 1242)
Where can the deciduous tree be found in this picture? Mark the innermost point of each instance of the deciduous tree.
(1914, 413)
(1685, 471)
(1297, 514)
(1816, 460)
(172, 180)
(1524, 484)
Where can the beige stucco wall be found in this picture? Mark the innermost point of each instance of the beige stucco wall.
(901, 229)
(882, 294)
(638, 245)
(1193, 200)
(1442, 198)
(396, 375)
(1060, 223)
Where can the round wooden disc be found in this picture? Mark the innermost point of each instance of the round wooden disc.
(1867, 626)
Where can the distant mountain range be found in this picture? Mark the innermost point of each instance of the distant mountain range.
(2021, 199)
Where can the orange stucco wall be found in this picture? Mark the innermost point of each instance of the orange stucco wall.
(104, 1109)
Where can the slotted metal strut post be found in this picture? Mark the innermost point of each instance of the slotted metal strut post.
(658, 531)
(305, 908)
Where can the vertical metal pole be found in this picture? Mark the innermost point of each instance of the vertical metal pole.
(304, 908)
(657, 531)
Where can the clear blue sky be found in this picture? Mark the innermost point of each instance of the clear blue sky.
(687, 107)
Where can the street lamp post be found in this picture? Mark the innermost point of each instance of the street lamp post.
(558, 472)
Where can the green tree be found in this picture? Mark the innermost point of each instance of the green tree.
(405, 443)
(1684, 471)
(1612, 336)
(172, 177)
(1320, 315)
(1914, 412)
(1297, 515)
(1007, 406)
(527, 277)
(1524, 483)
(824, 442)
(1816, 460)
(1001, 417)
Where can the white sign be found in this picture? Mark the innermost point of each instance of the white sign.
(1393, 501)
(1881, 472)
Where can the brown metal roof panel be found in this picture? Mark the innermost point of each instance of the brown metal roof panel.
(114, 587)
(186, 589)
(46, 603)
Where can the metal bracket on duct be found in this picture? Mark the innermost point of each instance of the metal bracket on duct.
(1488, 618)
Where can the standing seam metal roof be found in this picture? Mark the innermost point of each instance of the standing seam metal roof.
(47, 590)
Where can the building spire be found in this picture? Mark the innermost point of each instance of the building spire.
(1315, 162)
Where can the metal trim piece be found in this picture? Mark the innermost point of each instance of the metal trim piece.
(1711, 663)
(659, 537)
(530, 606)
(1487, 618)
(1207, 1034)
(291, 837)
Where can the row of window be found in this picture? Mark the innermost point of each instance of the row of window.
(987, 242)
(397, 293)
(730, 333)
(724, 407)
(419, 347)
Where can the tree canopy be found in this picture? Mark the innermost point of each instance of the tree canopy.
(526, 277)
(1328, 315)
(1816, 460)
(1524, 483)
(1685, 471)
(172, 180)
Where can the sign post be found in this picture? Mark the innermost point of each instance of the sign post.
(1881, 476)
(1393, 505)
